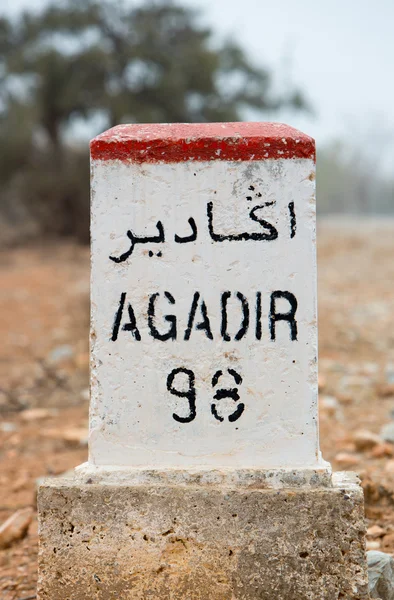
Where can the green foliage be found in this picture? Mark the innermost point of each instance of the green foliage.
(88, 59)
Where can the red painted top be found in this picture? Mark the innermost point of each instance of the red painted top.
(180, 142)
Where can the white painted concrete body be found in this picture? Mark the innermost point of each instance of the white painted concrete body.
(132, 410)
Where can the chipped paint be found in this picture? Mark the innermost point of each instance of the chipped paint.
(183, 142)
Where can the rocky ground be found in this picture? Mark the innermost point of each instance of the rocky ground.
(44, 305)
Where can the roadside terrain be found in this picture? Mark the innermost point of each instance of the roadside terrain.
(44, 321)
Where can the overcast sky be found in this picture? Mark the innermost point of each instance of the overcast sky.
(341, 54)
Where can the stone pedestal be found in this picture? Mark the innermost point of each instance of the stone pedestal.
(201, 536)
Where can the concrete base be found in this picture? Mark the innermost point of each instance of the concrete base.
(200, 542)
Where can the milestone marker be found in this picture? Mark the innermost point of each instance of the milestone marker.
(204, 297)
(205, 479)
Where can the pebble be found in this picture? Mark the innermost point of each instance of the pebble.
(73, 435)
(372, 545)
(35, 414)
(345, 460)
(389, 466)
(387, 432)
(345, 398)
(365, 440)
(7, 427)
(375, 531)
(386, 390)
(380, 575)
(329, 405)
(60, 353)
(382, 450)
(370, 368)
(355, 381)
(15, 528)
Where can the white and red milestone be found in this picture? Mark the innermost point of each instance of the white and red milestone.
(204, 335)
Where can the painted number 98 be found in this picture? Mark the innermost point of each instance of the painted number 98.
(181, 388)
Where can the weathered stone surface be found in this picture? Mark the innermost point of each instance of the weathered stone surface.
(381, 575)
(199, 542)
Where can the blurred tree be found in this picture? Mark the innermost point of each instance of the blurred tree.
(112, 63)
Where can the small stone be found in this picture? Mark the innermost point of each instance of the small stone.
(386, 390)
(380, 575)
(345, 399)
(387, 432)
(382, 450)
(73, 435)
(365, 440)
(375, 531)
(370, 368)
(7, 427)
(345, 460)
(346, 445)
(354, 382)
(372, 545)
(36, 414)
(15, 528)
(329, 404)
(389, 466)
(60, 354)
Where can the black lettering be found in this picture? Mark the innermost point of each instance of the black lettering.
(171, 333)
(205, 324)
(244, 236)
(130, 326)
(273, 232)
(215, 413)
(227, 393)
(289, 316)
(190, 238)
(154, 239)
(190, 393)
(245, 321)
(293, 221)
(118, 317)
(223, 328)
(258, 316)
(237, 413)
(129, 252)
